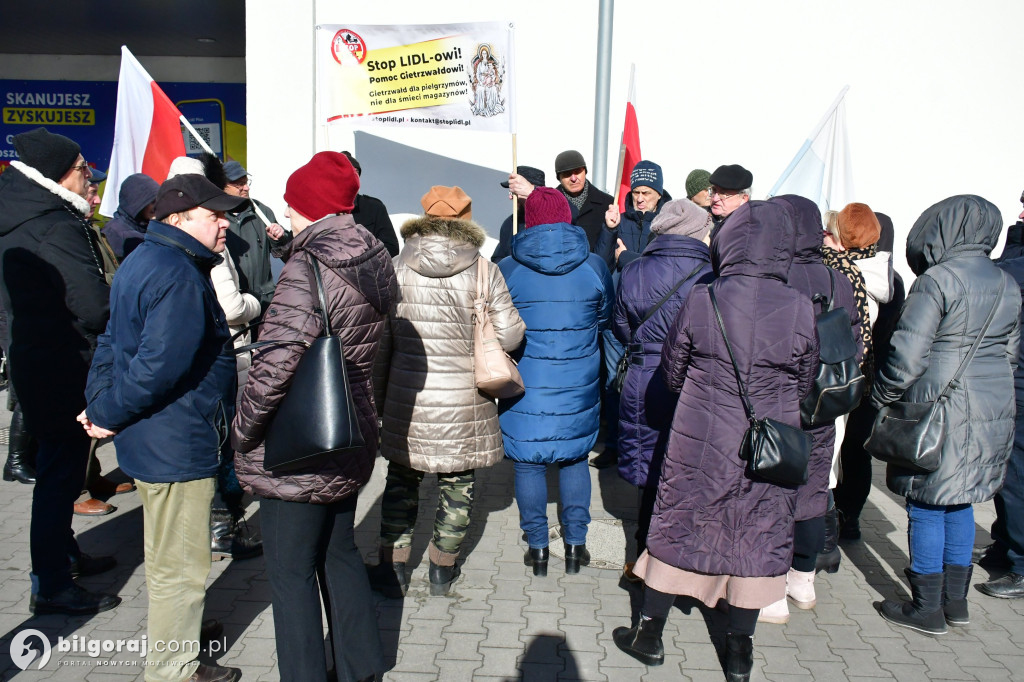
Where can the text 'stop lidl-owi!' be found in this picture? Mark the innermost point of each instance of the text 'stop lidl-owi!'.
(456, 76)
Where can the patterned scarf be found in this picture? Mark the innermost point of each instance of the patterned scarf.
(579, 199)
(843, 261)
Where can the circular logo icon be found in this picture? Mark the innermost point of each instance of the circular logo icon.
(347, 41)
(22, 653)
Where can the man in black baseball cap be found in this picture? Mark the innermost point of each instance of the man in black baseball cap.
(730, 189)
(523, 180)
(161, 382)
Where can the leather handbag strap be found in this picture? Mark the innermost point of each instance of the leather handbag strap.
(482, 281)
(664, 299)
(954, 382)
(732, 358)
(316, 287)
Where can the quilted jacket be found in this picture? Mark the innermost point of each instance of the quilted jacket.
(645, 406)
(710, 515)
(956, 287)
(435, 419)
(359, 282)
(564, 294)
(808, 275)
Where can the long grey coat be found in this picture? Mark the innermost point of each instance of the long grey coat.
(434, 418)
(956, 287)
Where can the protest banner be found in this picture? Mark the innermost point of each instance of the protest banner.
(454, 76)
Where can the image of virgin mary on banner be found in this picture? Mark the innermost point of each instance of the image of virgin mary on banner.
(486, 77)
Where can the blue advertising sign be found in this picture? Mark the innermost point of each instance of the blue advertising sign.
(85, 110)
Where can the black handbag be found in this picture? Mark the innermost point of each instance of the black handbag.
(774, 451)
(623, 367)
(317, 416)
(910, 435)
(839, 384)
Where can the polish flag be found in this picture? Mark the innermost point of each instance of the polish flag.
(147, 130)
(630, 150)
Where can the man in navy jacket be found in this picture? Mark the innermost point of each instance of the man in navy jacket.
(162, 382)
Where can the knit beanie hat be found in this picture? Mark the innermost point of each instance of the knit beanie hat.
(682, 216)
(858, 226)
(547, 206)
(185, 165)
(49, 153)
(326, 185)
(697, 181)
(646, 174)
(447, 202)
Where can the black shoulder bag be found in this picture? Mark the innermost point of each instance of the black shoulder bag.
(839, 385)
(317, 415)
(910, 435)
(623, 367)
(774, 451)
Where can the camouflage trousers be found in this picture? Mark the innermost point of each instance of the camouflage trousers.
(400, 505)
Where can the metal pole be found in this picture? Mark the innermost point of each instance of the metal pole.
(606, 13)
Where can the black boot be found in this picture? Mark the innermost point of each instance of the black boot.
(388, 578)
(829, 557)
(21, 451)
(739, 657)
(954, 598)
(924, 612)
(441, 579)
(229, 537)
(576, 556)
(73, 601)
(538, 558)
(642, 642)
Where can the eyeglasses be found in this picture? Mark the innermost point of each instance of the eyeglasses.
(84, 167)
(712, 191)
(241, 182)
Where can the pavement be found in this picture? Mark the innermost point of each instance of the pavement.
(500, 623)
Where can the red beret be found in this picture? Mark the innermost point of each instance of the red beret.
(328, 184)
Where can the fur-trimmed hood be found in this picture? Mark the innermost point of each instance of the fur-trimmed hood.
(77, 202)
(440, 247)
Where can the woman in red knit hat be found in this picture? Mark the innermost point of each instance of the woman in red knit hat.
(307, 514)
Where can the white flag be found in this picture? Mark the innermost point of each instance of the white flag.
(821, 171)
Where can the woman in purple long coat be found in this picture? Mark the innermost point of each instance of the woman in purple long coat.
(717, 534)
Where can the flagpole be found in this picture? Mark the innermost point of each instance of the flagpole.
(202, 143)
(515, 199)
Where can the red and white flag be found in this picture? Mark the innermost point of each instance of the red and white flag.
(147, 130)
(630, 150)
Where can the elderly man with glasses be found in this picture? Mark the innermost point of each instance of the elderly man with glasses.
(57, 299)
(251, 240)
(730, 189)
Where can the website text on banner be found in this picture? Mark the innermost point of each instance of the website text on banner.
(458, 76)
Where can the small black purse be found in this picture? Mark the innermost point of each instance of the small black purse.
(317, 416)
(774, 451)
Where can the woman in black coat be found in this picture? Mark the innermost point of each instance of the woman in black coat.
(956, 288)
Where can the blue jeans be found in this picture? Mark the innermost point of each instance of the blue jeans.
(532, 499)
(939, 534)
(611, 351)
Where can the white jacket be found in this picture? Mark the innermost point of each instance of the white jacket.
(239, 309)
(878, 276)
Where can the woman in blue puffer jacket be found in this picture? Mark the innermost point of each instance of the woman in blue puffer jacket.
(564, 295)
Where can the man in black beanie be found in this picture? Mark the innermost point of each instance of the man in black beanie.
(57, 297)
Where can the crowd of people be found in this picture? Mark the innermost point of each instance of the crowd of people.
(676, 324)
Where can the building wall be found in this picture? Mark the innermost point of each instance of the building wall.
(932, 110)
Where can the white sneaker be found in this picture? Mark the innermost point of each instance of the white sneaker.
(777, 613)
(800, 588)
